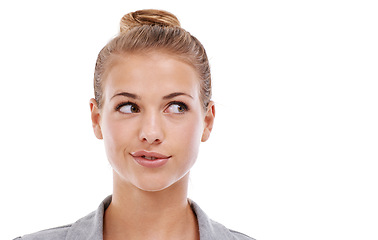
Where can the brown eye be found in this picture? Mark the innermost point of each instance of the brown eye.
(177, 107)
(128, 108)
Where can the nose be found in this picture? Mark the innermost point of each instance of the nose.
(151, 130)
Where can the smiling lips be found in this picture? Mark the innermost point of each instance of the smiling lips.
(150, 159)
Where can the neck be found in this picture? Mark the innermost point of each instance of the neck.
(138, 214)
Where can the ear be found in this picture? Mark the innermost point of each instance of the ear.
(96, 117)
(208, 121)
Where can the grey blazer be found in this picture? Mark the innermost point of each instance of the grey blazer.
(90, 227)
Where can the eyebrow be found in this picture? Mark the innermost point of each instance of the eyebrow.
(126, 94)
(175, 94)
(169, 96)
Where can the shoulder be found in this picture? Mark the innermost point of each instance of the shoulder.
(56, 233)
(210, 229)
(88, 227)
(222, 232)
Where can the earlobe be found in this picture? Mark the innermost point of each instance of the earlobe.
(95, 116)
(209, 121)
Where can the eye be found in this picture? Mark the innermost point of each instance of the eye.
(128, 108)
(177, 108)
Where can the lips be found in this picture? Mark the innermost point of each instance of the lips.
(149, 155)
(150, 159)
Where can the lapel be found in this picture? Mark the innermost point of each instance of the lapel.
(90, 227)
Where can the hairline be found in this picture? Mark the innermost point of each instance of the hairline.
(117, 56)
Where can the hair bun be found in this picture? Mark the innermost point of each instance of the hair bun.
(148, 17)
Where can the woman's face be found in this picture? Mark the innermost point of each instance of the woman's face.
(152, 120)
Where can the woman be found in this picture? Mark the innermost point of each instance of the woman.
(152, 108)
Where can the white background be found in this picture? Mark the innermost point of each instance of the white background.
(294, 151)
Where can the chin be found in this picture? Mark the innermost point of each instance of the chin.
(152, 188)
(153, 185)
(159, 184)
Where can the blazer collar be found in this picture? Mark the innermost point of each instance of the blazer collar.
(91, 226)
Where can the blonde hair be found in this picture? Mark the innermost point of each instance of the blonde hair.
(147, 30)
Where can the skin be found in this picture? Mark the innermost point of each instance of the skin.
(166, 116)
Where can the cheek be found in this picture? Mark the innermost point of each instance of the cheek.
(115, 136)
(188, 137)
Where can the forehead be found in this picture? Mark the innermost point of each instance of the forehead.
(153, 72)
